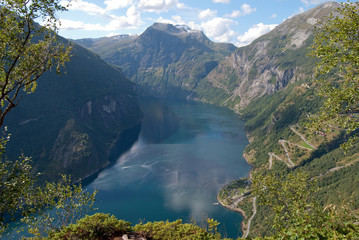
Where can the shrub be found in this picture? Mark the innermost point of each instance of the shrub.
(97, 226)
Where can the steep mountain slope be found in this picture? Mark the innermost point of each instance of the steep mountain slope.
(71, 122)
(271, 83)
(267, 65)
(165, 60)
(279, 142)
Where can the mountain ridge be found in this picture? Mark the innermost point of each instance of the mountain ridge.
(71, 122)
(267, 65)
(166, 60)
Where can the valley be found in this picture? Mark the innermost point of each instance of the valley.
(189, 123)
(270, 83)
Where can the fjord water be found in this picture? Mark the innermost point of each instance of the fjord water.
(185, 153)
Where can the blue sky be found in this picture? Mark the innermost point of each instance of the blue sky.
(235, 21)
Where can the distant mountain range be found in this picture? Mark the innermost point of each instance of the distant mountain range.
(168, 60)
(165, 60)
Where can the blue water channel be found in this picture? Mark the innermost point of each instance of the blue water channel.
(185, 153)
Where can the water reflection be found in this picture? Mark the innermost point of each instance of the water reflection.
(185, 153)
(159, 121)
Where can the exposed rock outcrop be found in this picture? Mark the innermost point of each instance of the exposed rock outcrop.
(267, 65)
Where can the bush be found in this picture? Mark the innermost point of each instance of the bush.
(97, 226)
(173, 230)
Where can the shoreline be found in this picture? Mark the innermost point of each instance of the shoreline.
(111, 160)
(236, 209)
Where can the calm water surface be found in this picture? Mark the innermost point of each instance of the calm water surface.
(185, 153)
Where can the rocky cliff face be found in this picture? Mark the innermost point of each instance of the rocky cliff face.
(165, 60)
(71, 122)
(82, 147)
(267, 65)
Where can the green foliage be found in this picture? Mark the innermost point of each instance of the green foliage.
(16, 186)
(336, 45)
(175, 230)
(238, 186)
(103, 226)
(287, 117)
(296, 208)
(43, 209)
(208, 93)
(57, 205)
(212, 225)
(290, 198)
(97, 226)
(297, 215)
(27, 50)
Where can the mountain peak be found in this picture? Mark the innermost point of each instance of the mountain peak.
(173, 29)
(183, 27)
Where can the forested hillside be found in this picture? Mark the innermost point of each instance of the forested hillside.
(282, 146)
(72, 121)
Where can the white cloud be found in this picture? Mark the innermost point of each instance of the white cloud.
(208, 13)
(299, 11)
(157, 5)
(219, 29)
(194, 26)
(245, 10)
(78, 25)
(174, 20)
(274, 15)
(253, 33)
(221, 1)
(116, 4)
(313, 2)
(180, 6)
(234, 14)
(92, 8)
(177, 19)
(83, 6)
(130, 21)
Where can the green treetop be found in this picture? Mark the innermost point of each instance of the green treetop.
(27, 50)
(336, 45)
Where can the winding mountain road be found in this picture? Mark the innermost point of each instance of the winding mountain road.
(288, 162)
(250, 220)
(302, 137)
